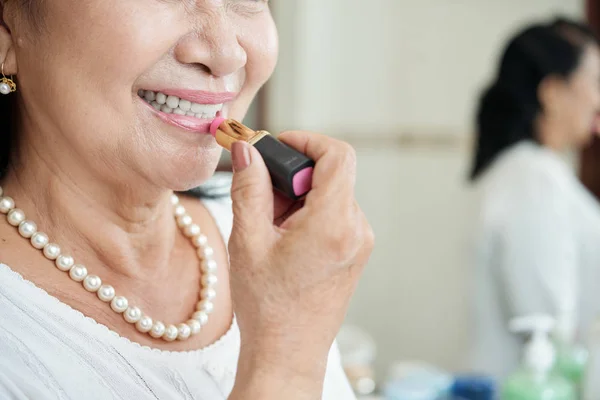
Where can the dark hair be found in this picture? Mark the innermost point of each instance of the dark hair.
(509, 107)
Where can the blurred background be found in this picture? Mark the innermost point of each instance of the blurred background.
(399, 80)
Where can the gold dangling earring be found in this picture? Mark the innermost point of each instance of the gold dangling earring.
(7, 85)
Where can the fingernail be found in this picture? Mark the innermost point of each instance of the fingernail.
(240, 156)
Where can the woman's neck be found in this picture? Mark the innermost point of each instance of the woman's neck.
(127, 227)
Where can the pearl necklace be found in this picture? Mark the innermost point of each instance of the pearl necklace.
(106, 293)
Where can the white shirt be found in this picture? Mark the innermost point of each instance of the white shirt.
(48, 350)
(537, 251)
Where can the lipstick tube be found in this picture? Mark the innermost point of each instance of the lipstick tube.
(290, 170)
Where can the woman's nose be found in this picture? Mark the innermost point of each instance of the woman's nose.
(215, 47)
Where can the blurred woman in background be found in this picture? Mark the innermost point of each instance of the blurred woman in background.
(538, 236)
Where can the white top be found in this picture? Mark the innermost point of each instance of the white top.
(50, 351)
(537, 251)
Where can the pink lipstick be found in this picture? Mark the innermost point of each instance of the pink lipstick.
(291, 171)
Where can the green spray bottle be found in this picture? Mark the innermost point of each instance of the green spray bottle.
(535, 379)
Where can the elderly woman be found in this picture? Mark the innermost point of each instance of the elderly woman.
(112, 286)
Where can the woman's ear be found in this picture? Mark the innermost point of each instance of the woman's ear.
(7, 51)
(550, 91)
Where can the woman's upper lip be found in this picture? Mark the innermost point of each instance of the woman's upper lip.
(199, 96)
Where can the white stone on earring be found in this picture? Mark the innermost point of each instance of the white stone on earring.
(119, 304)
(191, 230)
(184, 221)
(184, 331)
(5, 88)
(92, 283)
(39, 240)
(209, 280)
(51, 251)
(174, 199)
(158, 330)
(15, 216)
(106, 293)
(132, 315)
(200, 240)
(201, 317)
(208, 293)
(78, 272)
(195, 326)
(144, 324)
(64, 262)
(27, 229)
(208, 266)
(171, 333)
(6, 204)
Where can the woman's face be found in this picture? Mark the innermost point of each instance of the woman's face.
(82, 73)
(579, 104)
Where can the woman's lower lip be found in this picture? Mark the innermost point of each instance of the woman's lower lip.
(192, 124)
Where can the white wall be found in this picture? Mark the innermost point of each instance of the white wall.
(401, 69)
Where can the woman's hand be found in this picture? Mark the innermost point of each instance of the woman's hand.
(294, 269)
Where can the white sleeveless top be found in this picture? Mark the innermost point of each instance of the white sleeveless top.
(48, 350)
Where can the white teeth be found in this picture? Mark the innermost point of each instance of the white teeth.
(150, 96)
(172, 104)
(173, 101)
(197, 108)
(161, 98)
(185, 105)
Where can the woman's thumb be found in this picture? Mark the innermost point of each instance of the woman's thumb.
(251, 191)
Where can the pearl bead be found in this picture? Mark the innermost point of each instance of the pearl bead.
(39, 240)
(27, 229)
(200, 240)
(144, 324)
(206, 305)
(132, 315)
(209, 280)
(201, 317)
(158, 330)
(191, 230)
(171, 333)
(64, 263)
(207, 252)
(195, 326)
(119, 304)
(51, 251)
(106, 293)
(208, 266)
(6, 204)
(78, 272)
(174, 199)
(184, 331)
(5, 88)
(179, 211)
(92, 283)
(15, 216)
(208, 293)
(184, 220)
